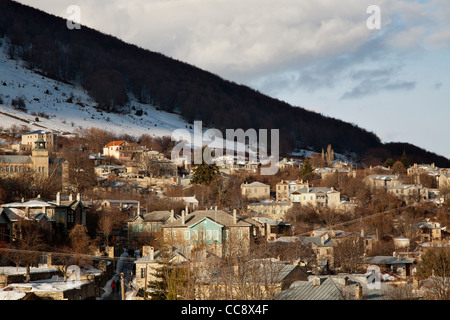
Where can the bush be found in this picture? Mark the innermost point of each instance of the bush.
(19, 103)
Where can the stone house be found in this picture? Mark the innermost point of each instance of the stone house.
(270, 229)
(151, 261)
(285, 187)
(323, 247)
(39, 162)
(67, 213)
(444, 180)
(396, 265)
(214, 230)
(28, 140)
(339, 235)
(382, 181)
(151, 222)
(426, 231)
(410, 192)
(121, 150)
(255, 190)
(271, 209)
(317, 197)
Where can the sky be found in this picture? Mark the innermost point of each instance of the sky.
(316, 54)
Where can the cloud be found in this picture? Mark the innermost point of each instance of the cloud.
(373, 86)
(274, 46)
(438, 85)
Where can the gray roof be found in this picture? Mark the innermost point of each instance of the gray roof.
(314, 190)
(255, 184)
(218, 216)
(156, 216)
(271, 222)
(270, 203)
(317, 241)
(383, 177)
(37, 132)
(15, 159)
(306, 290)
(389, 260)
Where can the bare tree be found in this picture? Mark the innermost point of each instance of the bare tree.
(348, 253)
(81, 243)
(105, 225)
(434, 270)
(28, 244)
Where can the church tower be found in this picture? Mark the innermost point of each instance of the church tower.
(40, 158)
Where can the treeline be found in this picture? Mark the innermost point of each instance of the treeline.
(109, 69)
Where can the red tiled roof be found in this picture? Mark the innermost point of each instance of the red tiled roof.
(115, 143)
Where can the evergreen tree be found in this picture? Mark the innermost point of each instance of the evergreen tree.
(170, 280)
(389, 163)
(204, 172)
(307, 167)
(404, 160)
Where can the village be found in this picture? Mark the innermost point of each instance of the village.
(99, 217)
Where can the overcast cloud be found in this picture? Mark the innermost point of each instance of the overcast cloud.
(294, 50)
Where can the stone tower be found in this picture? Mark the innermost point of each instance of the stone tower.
(40, 158)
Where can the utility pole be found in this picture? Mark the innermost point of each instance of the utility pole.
(122, 285)
(145, 283)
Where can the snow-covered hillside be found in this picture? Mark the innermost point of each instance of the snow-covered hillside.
(46, 99)
(64, 108)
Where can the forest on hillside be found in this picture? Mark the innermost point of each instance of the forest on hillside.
(110, 70)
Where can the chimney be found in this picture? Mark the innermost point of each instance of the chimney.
(151, 253)
(27, 212)
(78, 197)
(186, 209)
(362, 232)
(358, 291)
(58, 198)
(234, 217)
(316, 281)
(182, 217)
(138, 208)
(416, 283)
(70, 197)
(172, 216)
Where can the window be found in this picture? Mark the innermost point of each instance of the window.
(135, 228)
(186, 235)
(142, 272)
(195, 234)
(174, 234)
(216, 234)
(208, 234)
(239, 234)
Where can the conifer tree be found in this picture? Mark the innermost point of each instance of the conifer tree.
(204, 172)
(404, 160)
(307, 167)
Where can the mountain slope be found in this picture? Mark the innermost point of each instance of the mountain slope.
(63, 107)
(110, 71)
